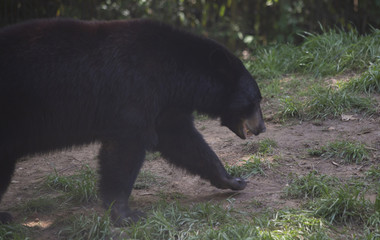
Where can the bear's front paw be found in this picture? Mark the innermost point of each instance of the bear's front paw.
(237, 183)
(231, 183)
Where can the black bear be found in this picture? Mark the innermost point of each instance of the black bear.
(130, 85)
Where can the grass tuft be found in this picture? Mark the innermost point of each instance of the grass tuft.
(173, 221)
(311, 186)
(247, 168)
(374, 173)
(349, 152)
(326, 54)
(80, 187)
(13, 232)
(329, 102)
(345, 204)
(87, 227)
(295, 224)
(213, 221)
(151, 156)
(290, 108)
(40, 205)
(266, 146)
(322, 103)
(368, 82)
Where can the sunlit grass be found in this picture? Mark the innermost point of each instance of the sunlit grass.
(213, 221)
(312, 185)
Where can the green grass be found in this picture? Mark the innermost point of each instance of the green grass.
(175, 221)
(309, 186)
(325, 103)
(377, 201)
(246, 168)
(330, 102)
(13, 232)
(368, 82)
(274, 61)
(199, 116)
(213, 221)
(295, 224)
(266, 146)
(349, 152)
(346, 204)
(374, 173)
(290, 108)
(326, 54)
(92, 227)
(302, 94)
(39, 205)
(151, 156)
(80, 187)
(262, 147)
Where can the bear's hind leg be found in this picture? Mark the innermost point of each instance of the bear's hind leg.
(7, 167)
(120, 163)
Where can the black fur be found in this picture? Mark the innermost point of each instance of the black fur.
(131, 85)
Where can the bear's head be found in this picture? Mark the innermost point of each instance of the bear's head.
(241, 111)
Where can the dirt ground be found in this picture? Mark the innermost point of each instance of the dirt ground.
(290, 156)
